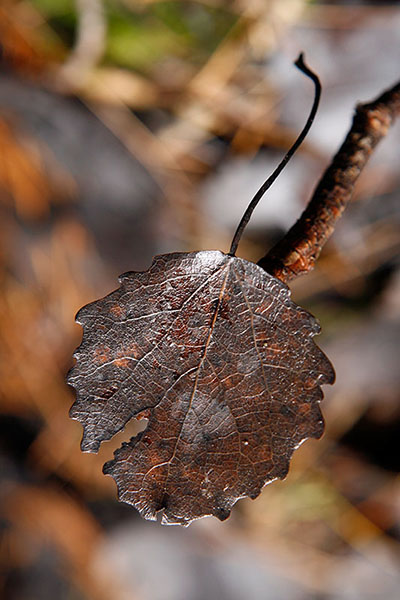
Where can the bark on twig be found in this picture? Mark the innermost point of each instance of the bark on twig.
(297, 252)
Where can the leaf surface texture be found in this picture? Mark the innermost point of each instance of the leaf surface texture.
(212, 351)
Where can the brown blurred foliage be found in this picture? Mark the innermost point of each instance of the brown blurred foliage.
(103, 163)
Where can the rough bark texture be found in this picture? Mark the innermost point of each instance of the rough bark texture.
(298, 251)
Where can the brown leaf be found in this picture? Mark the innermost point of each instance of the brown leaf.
(212, 351)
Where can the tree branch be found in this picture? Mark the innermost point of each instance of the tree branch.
(298, 250)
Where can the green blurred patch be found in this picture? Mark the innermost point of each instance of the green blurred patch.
(139, 41)
(55, 8)
(188, 30)
(311, 499)
(140, 37)
(60, 16)
(202, 26)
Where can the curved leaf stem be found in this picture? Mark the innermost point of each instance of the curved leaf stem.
(300, 64)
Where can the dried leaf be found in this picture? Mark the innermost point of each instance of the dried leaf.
(212, 351)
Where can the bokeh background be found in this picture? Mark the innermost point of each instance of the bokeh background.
(135, 127)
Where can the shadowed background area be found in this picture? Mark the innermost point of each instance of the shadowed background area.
(130, 128)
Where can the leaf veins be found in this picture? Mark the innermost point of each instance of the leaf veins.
(212, 351)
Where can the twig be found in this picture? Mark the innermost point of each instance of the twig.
(298, 250)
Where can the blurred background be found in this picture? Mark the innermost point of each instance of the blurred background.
(135, 127)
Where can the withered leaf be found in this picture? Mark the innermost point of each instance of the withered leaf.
(212, 351)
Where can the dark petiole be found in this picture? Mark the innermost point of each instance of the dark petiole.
(300, 64)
